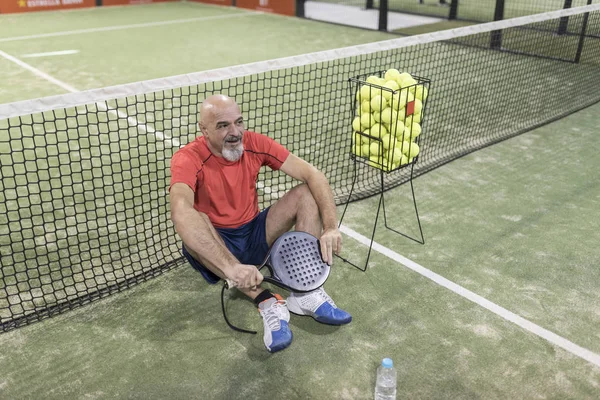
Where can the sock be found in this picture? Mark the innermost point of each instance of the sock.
(264, 295)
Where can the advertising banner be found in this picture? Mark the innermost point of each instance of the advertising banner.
(217, 2)
(124, 2)
(285, 7)
(17, 6)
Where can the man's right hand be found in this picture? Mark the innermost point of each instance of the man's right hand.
(245, 276)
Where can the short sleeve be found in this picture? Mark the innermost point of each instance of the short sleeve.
(274, 154)
(184, 169)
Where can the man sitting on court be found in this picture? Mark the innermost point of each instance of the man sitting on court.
(214, 206)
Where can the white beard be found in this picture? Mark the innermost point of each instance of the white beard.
(233, 154)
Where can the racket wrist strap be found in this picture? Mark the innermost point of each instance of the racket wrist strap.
(262, 296)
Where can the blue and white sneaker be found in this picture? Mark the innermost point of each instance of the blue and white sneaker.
(275, 317)
(318, 305)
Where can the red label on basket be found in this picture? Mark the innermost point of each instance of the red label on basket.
(410, 108)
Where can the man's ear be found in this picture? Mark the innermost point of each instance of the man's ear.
(202, 127)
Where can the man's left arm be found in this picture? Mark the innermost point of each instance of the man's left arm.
(331, 238)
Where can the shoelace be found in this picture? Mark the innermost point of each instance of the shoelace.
(326, 297)
(313, 300)
(273, 314)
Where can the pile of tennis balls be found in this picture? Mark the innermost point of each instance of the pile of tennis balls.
(389, 109)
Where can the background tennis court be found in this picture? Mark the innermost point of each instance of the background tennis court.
(514, 223)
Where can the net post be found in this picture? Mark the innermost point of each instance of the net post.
(586, 17)
(453, 10)
(300, 8)
(564, 21)
(98, 3)
(369, 5)
(496, 37)
(383, 15)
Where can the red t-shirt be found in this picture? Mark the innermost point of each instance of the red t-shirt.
(225, 190)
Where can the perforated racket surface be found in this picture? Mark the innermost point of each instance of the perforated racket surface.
(295, 263)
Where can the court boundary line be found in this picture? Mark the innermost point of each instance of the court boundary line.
(101, 106)
(502, 312)
(39, 73)
(130, 26)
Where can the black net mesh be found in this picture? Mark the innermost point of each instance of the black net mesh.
(467, 10)
(84, 206)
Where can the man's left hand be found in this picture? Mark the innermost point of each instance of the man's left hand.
(331, 242)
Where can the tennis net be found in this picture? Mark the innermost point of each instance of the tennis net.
(83, 197)
(465, 10)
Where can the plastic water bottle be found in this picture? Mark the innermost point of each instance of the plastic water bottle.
(385, 388)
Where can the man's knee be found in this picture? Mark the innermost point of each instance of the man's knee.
(305, 196)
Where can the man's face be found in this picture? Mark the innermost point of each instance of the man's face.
(224, 130)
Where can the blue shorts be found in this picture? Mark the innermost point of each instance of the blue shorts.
(248, 244)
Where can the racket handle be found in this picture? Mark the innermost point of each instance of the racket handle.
(229, 283)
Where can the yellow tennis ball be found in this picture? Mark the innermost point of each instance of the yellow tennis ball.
(404, 160)
(378, 103)
(417, 117)
(389, 116)
(404, 147)
(408, 82)
(404, 97)
(413, 151)
(365, 107)
(414, 130)
(365, 148)
(395, 101)
(389, 142)
(372, 79)
(386, 126)
(364, 138)
(376, 161)
(409, 120)
(421, 92)
(377, 116)
(393, 86)
(397, 128)
(401, 115)
(365, 120)
(375, 149)
(405, 75)
(391, 74)
(356, 124)
(378, 130)
(394, 155)
(365, 92)
(418, 106)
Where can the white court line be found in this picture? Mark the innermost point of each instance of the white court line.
(131, 26)
(39, 73)
(475, 298)
(50, 54)
(101, 106)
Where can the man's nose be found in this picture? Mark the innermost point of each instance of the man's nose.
(233, 131)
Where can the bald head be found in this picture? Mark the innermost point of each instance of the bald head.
(222, 124)
(214, 104)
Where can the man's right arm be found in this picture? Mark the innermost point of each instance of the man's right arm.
(199, 235)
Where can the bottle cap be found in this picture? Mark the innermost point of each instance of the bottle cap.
(387, 363)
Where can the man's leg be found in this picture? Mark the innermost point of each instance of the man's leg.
(250, 292)
(298, 207)
(277, 335)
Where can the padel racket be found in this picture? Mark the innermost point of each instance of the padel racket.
(295, 263)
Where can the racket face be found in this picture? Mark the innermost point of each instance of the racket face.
(295, 260)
